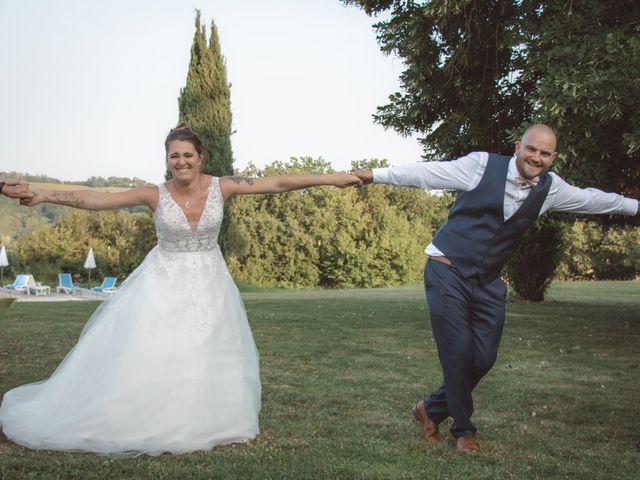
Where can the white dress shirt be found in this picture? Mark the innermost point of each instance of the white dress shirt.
(466, 172)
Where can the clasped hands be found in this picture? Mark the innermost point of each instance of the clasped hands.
(14, 188)
(354, 178)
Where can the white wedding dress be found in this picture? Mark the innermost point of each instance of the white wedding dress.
(166, 364)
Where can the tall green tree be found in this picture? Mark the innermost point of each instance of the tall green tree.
(205, 101)
(477, 72)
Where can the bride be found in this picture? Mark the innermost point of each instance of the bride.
(167, 363)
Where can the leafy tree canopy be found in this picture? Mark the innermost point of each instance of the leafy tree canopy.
(478, 72)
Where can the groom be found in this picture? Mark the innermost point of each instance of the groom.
(498, 198)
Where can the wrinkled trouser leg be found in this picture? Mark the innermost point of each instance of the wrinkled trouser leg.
(466, 321)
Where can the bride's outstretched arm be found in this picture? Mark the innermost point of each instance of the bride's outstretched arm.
(283, 183)
(92, 199)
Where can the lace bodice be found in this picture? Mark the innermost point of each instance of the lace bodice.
(173, 229)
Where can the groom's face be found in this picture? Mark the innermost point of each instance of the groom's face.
(535, 153)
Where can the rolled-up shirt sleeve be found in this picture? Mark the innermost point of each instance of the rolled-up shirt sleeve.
(461, 174)
(567, 198)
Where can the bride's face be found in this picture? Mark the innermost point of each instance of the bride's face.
(183, 160)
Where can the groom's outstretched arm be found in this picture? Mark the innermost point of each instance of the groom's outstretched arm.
(456, 174)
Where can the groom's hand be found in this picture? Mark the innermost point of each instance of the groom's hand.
(365, 175)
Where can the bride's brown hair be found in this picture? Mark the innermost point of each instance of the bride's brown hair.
(185, 133)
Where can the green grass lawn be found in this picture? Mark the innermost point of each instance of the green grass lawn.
(341, 370)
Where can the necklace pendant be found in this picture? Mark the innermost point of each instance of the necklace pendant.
(188, 205)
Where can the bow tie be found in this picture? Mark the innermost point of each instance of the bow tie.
(527, 182)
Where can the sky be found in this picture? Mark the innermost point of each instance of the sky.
(90, 87)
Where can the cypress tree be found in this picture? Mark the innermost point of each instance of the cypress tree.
(205, 101)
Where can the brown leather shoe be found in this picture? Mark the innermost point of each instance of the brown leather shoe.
(467, 444)
(430, 431)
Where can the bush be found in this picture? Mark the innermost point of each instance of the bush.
(120, 241)
(532, 264)
(599, 252)
(326, 237)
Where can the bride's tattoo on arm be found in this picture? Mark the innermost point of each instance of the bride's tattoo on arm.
(67, 198)
(239, 180)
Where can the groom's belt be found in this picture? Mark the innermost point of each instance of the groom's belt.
(441, 259)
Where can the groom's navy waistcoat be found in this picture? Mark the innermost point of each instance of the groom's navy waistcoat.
(476, 237)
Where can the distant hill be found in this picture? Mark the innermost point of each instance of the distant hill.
(17, 221)
(92, 182)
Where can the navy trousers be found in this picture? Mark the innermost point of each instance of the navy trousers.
(466, 320)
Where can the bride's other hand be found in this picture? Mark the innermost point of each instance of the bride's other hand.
(15, 188)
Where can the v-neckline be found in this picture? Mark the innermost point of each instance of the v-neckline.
(184, 215)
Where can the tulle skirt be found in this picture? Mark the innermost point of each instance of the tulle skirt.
(167, 364)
